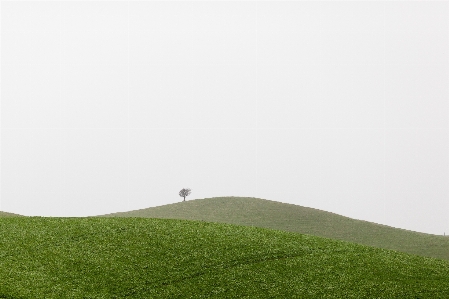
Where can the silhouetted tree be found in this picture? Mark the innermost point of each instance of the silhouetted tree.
(184, 192)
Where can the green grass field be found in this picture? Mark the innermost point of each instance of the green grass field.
(102, 257)
(287, 217)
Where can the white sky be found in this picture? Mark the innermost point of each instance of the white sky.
(113, 106)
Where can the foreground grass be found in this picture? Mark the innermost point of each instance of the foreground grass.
(276, 215)
(161, 258)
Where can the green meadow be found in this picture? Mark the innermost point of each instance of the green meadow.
(143, 257)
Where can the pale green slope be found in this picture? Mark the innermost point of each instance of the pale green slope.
(6, 214)
(287, 217)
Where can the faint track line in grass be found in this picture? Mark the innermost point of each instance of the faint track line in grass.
(207, 270)
(218, 268)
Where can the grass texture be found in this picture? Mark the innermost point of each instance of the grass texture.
(288, 217)
(101, 257)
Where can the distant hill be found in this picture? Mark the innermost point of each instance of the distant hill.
(293, 218)
(6, 214)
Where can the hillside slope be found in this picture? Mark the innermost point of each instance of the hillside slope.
(288, 217)
(6, 214)
(99, 257)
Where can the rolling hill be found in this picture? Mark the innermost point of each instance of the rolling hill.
(6, 214)
(251, 211)
(101, 257)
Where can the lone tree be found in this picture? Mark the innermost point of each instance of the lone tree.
(184, 192)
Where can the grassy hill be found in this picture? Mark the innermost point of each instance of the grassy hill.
(6, 214)
(101, 257)
(287, 217)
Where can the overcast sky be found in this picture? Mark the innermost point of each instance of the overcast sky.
(114, 106)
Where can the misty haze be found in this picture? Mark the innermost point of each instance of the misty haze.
(111, 106)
